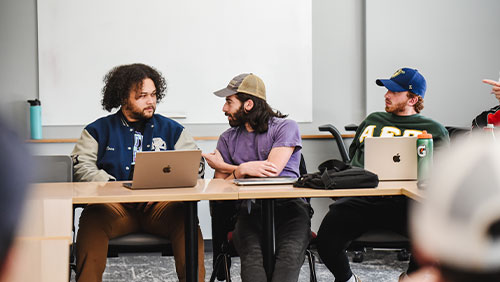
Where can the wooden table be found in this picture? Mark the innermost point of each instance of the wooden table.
(43, 260)
(385, 188)
(44, 203)
(270, 192)
(114, 192)
(42, 244)
(54, 200)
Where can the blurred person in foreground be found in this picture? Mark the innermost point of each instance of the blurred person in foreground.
(14, 174)
(456, 229)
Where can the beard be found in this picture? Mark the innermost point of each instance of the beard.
(238, 118)
(139, 114)
(396, 108)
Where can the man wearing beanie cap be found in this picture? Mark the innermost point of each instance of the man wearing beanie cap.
(348, 218)
(261, 143)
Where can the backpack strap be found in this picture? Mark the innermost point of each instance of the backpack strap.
(334, 164)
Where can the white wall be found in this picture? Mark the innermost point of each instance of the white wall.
(454, 44)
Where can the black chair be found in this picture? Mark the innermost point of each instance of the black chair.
(139, 243)
(456, 132)
(144, 242)
(383, 239)
(223, 222)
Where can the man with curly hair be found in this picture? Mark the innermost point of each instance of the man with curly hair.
(106, 152)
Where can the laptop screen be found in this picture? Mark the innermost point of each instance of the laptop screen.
(392, 158)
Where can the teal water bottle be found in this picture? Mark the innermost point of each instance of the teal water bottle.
(35, 119)
(424, 156)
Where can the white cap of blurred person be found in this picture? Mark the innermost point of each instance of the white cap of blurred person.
(457, 226)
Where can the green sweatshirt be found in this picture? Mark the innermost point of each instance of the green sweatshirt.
(383, 124)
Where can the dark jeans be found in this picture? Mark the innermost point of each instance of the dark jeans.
(349, 218)
(292, 219)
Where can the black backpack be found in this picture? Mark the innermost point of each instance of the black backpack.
(335, 174)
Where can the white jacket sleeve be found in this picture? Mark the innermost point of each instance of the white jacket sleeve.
(186, 142)
(84, 157)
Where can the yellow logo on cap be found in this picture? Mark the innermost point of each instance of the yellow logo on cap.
(398, 72)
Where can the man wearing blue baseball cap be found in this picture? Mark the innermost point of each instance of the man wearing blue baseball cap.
(349, 218)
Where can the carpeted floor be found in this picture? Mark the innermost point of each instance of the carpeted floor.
(378, 266)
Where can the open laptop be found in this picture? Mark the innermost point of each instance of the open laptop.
(392, 158)
(265, 180)
(165, 169)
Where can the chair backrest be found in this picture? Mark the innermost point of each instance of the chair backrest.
(302, 165)
(338, 139)
(53, 168)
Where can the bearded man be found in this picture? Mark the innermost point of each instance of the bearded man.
(262, 143)
(348, 218)
(106, 151)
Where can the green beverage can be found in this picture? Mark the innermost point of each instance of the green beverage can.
(424, 156)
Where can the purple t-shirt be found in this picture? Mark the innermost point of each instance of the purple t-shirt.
(238, 146)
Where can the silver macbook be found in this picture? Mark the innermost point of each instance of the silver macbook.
(165, 169)
(265, 180)
(392, 158)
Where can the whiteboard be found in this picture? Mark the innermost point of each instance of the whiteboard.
(197, 45)
(454, 44)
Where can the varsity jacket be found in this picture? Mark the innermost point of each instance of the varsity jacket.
(383, 124)
(105, 149)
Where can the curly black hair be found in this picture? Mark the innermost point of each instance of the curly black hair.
(121, 79)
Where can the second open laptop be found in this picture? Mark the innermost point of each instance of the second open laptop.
(265, 180)
(391, 158)
(165, 169)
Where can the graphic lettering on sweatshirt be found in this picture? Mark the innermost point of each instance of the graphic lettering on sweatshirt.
(387, 131)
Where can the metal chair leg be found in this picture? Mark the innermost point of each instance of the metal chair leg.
(218, 261)
(223, 260)
(227, 266)
(312, 266)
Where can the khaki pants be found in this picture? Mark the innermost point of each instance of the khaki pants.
(101, 222)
